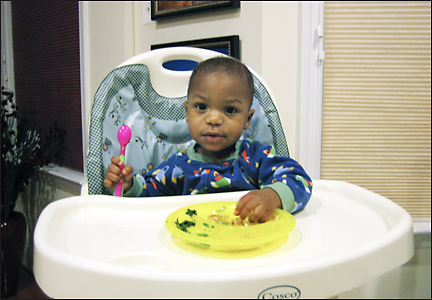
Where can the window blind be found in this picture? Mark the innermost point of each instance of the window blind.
(47, 69)
(377, 99)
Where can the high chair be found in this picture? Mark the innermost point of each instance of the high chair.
(143, 84)
(100, 246)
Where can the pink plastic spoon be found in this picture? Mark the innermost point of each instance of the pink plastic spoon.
(124, 135)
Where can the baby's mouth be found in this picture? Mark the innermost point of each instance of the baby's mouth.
(212, 136)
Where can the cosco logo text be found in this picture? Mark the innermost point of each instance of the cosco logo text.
(280, 292)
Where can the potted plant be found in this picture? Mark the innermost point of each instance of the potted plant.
(22, 154)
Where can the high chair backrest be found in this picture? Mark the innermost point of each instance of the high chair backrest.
(142, 84)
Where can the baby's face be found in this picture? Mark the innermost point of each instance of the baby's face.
(217, 111)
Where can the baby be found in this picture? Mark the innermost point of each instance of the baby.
(218, 109)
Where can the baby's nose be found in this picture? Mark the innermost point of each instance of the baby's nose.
(214, 118)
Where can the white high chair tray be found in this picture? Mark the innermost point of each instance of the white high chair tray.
(107, 247)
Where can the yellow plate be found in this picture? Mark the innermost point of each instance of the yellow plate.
(192, 225)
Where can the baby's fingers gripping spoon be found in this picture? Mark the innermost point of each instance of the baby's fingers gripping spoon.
(124, 135)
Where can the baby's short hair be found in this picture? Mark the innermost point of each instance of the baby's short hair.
(226, 64)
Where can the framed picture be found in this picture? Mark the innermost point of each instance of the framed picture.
(228, 45)
(167, 9)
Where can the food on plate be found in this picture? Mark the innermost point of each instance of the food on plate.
(226, 220)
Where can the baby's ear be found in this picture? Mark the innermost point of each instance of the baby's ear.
(251, 113)
(249, 118)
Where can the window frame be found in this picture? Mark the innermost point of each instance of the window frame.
(310, 96)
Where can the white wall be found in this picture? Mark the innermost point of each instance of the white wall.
(110, 38)
(280, 63)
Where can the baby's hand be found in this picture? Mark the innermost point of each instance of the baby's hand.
(115, 175)
(262, 202)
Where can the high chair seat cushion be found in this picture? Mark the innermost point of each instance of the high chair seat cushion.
(160, 129)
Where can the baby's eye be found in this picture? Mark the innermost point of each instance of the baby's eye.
(230, 110)
(201, 106)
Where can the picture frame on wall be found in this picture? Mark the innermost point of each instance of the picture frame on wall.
(228, 45)
(169, 9)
